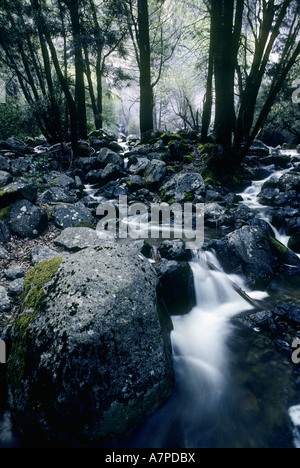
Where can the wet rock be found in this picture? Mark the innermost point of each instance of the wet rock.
(247, 251)
(259, 320)
(289, 312)
(216, 216)
(26, 220)
(294, 243)
(289, 182)
(98, 359)
(65, 216)
(175, 250)
(176, 286)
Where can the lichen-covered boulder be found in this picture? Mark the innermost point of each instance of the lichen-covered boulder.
(91, 352)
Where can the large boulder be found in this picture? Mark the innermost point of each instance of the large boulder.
(71, 216)
(253, 252)
(91, 352)
(27, 220)
(183, 187)
(76, 239)
(107, 156)
(247, 251)
(58, 195)
(19, 190)
(155, 173)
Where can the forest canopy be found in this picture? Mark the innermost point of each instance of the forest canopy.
(227, 69)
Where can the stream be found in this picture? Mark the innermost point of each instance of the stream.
(233, 388)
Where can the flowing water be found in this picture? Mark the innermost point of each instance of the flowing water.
(233, 388)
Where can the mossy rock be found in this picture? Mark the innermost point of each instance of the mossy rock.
(31, 305)
(86, 225)
(278, 249)
(8, 196)
(189, 196)
(206, 148)
(4, 213)
(189, 158)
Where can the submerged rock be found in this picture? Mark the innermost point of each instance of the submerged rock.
(91, 352)
(176, 286)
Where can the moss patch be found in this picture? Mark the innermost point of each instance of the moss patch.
(86, 225)
(31, 303)
(4, 213)
(278, 248)
(8, 196)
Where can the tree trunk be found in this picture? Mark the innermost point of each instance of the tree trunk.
(224, 66)
(146, 90)
(208, 99)
(73, 7)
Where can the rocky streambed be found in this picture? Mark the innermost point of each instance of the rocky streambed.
(89, 322)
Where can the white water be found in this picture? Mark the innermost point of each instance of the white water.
(251, 199)
(201, 355)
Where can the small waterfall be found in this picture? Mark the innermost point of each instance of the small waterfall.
(199, 338)
(201, 355)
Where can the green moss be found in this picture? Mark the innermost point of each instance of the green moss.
(31, 305)
(86, 225)
(189, 158)
(210, 178)
(8, 196)
(4, 212)
(207, 148)
(163, 194)
(189, 196)
(279, 248)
